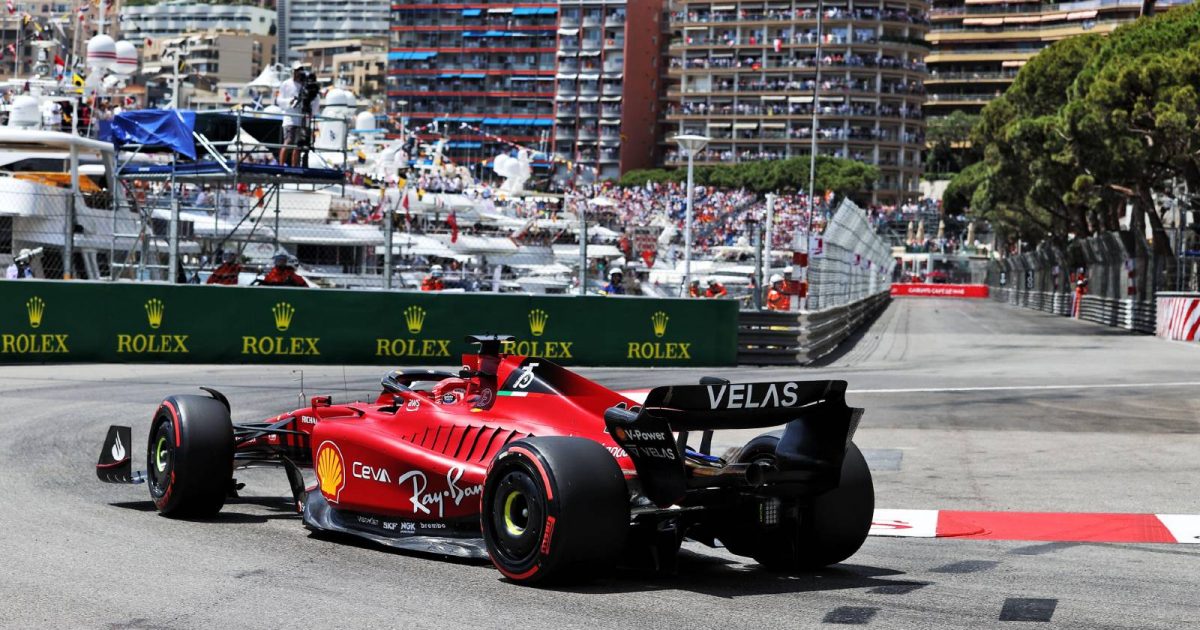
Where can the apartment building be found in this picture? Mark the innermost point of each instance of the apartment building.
(309, 21)
(980, 45)
(607, 87)
(173, 18)
(490, 66)
(212, 57)
(744, 74)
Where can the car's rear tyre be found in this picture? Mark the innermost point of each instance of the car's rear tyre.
(189, 459)
(554, 509)
(830, 527)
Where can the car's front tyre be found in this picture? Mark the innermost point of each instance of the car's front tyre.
(189, 458)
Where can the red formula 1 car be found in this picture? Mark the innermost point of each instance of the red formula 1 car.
(545, 472)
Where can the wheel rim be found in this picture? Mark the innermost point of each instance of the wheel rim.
(161, 458)
(518, 517)
(160, 454)
(516, 513)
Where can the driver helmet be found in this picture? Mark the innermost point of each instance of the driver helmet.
(436, 271)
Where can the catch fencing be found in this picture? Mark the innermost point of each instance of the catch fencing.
(1120, 272)
(849, 282)
(850, 263)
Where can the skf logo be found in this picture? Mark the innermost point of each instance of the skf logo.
(537, 322)
(659, 321)
(35, 307)
(674, 351)
(331, 472)
(283, 313)
(154, 312)
(414, 318)
(28, 343)
(153, 343)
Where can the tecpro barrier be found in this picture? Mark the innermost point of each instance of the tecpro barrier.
(54, 321)
(941, 290)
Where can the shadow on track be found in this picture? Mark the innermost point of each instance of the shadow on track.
(728, 578)
(280, 508)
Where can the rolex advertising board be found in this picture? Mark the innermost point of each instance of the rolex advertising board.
(53, 321)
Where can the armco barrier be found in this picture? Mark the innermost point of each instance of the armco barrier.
(1178, 316)
(54, 321)
(773, 338)
(1134, 315)
(940, 290)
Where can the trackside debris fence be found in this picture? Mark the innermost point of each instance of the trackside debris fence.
(1121, 274)
(849, 284)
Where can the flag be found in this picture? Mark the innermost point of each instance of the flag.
(59, 67)
(12, 8)
(257, 100)
(149, 42)
(404, 202)
(778, 45)
(76, 79)
(452, 221)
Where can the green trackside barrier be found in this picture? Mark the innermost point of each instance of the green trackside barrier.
(56, 321)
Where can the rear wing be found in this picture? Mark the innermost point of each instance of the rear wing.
(818, 426)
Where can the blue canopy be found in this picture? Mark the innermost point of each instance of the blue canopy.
(157, 128)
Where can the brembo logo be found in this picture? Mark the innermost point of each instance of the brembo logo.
(745, 396)
(331, 472)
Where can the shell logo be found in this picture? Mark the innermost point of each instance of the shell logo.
(331, 472)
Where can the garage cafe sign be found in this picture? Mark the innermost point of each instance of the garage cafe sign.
(35, 339)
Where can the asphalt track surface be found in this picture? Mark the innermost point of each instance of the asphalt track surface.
(970, 405)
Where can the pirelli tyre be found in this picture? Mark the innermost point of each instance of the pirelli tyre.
(554, 509)
(189, 459)
(828, 528)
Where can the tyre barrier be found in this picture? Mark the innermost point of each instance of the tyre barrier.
(774, 338)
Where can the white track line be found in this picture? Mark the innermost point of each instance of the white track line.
(1003, 388)
(639, 395)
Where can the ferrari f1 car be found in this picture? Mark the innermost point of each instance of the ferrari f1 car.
(547, 473)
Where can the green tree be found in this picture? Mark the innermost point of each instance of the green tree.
(949, 141)
(1030, 166)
